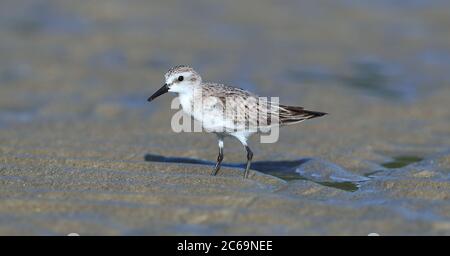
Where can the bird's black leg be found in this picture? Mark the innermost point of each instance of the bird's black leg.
(219, 159)
(249, 161)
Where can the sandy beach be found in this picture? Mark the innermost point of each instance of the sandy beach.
(82, 151)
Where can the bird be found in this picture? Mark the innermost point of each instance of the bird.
(228, 111)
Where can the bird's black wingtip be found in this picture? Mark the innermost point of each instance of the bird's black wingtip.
(315, 114)
(321, 114)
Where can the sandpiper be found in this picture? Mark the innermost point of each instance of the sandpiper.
(228, 111)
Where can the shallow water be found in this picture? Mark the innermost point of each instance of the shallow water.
(401, 161)
(82, 151)
(285, 170)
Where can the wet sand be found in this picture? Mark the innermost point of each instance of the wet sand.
(82, 151)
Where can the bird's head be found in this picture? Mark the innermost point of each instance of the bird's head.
(180, 79)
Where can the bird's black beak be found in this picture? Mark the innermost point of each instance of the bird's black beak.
(159, 92)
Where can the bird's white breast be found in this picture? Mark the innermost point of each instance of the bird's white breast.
(207, 110)
(186, 101)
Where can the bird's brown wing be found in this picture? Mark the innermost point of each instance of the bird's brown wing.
(292, 114)
(248, 111)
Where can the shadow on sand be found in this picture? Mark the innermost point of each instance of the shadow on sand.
(285, 170)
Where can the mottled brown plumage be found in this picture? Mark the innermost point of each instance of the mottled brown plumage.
(247, 108)
(229, 111)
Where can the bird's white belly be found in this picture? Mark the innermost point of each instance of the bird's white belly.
(207, 113)
(212, 120)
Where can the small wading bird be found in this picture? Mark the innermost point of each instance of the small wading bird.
(226, 110)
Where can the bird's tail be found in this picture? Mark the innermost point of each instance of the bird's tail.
(292, 115)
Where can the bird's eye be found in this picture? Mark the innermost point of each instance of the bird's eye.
(180, 78)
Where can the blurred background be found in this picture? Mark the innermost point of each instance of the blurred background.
(57, 54)
(75, 76)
